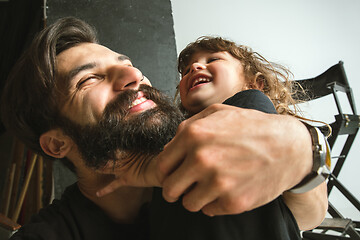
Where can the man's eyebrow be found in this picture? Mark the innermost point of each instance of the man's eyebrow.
(78, 69)
(123, 58)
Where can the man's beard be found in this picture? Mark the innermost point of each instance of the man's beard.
(119, 136)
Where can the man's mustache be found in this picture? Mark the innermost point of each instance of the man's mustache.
(120, 105)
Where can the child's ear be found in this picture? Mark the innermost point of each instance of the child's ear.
(54, 143)
(260, 84)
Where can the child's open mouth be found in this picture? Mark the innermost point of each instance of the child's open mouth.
(199, 81)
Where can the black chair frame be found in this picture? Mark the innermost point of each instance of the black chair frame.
(332, 81)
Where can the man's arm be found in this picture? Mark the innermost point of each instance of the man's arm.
(308, 208)
(227, 160)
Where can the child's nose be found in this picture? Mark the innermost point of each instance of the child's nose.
(197, 66)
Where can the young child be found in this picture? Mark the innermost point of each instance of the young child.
(215, 70)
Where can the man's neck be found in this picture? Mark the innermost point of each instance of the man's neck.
(123, 205)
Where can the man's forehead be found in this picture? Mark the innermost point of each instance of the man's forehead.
(84, 56)
(85, 52)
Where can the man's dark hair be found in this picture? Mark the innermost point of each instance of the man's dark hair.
(30, 100)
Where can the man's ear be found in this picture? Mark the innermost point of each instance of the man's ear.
(54, 143)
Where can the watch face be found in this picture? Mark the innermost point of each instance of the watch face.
(328, 156)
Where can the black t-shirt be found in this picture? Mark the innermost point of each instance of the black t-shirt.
(252, 99)
(271, 221)
(75, 217)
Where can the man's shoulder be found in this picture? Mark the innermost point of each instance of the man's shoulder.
(74, 217)
(59, 220)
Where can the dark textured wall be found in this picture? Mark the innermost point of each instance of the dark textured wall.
(142, 30)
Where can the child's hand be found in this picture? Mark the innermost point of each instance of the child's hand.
(137, 172)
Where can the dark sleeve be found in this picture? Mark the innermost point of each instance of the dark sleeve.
(252, 99)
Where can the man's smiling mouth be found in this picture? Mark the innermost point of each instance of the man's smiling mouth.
(138, 101)
(141, 103)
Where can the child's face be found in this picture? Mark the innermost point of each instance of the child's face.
(210, 78)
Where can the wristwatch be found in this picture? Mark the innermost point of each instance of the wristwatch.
(321, 162)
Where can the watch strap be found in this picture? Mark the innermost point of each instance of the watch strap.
(321, 162)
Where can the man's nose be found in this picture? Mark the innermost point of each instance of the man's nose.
(197, 66)
(126, 77)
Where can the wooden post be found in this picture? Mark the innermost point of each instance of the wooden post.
(24, 189)
(39, 185)
(9, 189)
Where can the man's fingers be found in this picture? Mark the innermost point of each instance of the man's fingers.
(213, 209)
(198, 197)
(170, 158)
(225, 206)
(111, 187)
(179, 182)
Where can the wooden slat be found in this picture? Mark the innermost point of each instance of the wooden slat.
(24, 189)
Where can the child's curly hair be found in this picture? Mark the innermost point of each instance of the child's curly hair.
(274, 78)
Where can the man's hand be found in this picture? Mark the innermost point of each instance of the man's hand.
(137, 171)
(227, 160)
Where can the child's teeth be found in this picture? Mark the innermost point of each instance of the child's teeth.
(200, 80)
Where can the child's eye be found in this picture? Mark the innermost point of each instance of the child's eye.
(213, 59)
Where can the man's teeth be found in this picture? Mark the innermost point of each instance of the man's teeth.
(200, 80)
(138, 101)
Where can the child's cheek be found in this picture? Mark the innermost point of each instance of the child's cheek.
(182, 87)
